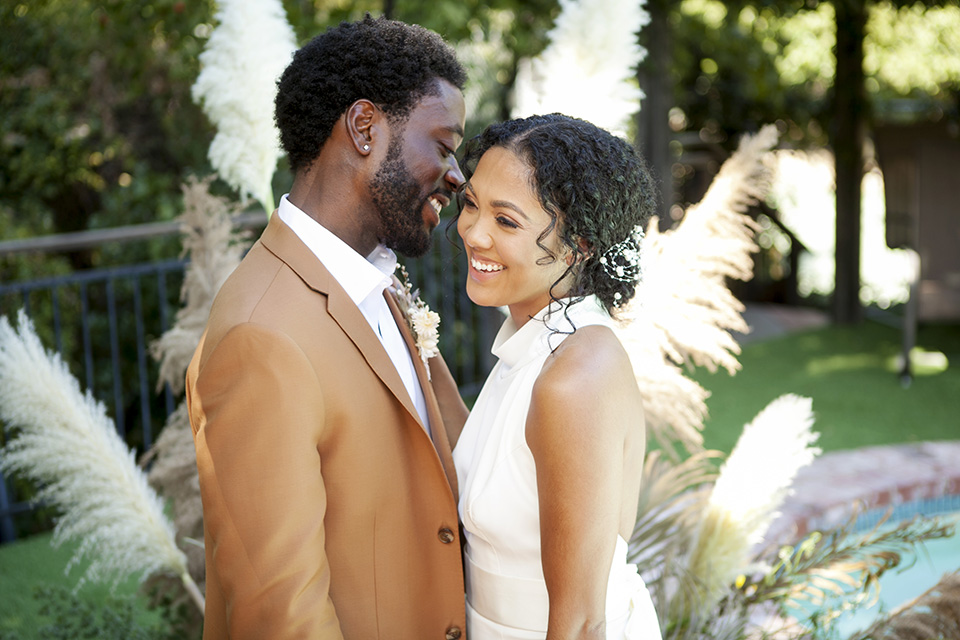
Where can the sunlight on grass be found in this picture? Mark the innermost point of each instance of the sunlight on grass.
(843, 362)
(922, 362)
(852, 377)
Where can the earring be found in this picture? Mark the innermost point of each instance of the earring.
(366, 147)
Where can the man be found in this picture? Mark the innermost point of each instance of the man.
(328, 487)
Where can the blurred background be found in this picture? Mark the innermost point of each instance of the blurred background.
(855, 299)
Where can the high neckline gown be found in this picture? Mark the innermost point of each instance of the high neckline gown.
(506, 593)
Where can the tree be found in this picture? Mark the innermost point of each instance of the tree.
(727, 77)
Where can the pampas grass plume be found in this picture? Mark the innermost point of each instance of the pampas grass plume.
(750, 489)
(683, 311)
(63, 441)
(247, 51)
(589, 68)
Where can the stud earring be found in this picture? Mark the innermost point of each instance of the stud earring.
(366, 147)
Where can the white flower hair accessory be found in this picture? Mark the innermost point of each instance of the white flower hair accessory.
(622, 260)
(423, 322)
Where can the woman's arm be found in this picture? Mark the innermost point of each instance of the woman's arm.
(452, 408)
(576, 428)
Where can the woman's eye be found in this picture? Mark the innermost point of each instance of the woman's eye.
(507, 222)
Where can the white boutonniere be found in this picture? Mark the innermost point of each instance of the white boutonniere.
(423, 322)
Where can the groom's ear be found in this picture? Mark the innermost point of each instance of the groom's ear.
(362, 120)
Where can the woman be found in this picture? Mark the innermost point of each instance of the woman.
(549, 462)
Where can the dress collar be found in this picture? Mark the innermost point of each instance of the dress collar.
(543, 332)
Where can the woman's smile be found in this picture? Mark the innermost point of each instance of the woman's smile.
(515, 253)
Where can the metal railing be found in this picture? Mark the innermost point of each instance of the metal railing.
(103, 321)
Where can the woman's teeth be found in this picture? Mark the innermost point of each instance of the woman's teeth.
(480, 266)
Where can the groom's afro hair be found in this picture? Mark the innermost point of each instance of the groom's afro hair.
(390, 63)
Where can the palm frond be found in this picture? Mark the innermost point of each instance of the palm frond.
(672, 498)
(841, 565)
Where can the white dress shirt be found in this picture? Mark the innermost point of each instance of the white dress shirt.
(364, 280)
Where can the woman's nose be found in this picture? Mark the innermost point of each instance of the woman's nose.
(474, 233)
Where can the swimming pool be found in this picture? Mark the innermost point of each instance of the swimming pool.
(934, 559)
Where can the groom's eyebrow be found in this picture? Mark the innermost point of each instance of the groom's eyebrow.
(456, 130)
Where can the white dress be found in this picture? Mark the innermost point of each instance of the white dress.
(506, 592)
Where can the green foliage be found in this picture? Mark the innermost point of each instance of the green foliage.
(65, 616)
(32, 568)
(98, 129)
(838, 570)
(739, 64)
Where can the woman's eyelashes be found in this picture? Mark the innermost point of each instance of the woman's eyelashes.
(469, 204)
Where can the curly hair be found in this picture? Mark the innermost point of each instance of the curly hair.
(595, 187)
(390, 63)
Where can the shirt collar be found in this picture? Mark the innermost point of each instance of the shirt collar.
(358, 276)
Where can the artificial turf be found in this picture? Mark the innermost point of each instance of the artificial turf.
(851, 374)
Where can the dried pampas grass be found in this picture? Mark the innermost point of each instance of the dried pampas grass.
(63, 440)
(684, 311)
(215, 249)
(588, 70)
(249, 48)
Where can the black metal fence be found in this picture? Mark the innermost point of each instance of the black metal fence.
(103, 321)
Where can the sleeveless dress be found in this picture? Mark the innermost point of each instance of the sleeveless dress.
(506, 593)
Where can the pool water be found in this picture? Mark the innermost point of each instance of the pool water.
(936, 558)
(897, 586)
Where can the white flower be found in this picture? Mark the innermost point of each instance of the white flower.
(424, 323)
(246, 53)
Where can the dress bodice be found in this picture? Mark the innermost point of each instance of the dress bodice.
(499, 504)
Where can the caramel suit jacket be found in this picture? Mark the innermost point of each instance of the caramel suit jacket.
(329, 512)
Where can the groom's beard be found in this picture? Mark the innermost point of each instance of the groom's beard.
(399, 202)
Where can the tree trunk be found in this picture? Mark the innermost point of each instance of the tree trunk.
(653, 129)
(849, 121)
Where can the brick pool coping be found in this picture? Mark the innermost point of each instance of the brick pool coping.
(826, 491)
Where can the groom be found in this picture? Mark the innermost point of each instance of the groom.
(329, 495)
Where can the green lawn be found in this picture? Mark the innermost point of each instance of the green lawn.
(32, 564)
(851, 375)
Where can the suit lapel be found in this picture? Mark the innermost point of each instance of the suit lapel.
(437, 431)
(280, 240)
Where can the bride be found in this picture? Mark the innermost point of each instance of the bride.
(549, 462)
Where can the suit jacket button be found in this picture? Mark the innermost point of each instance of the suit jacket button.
(453, 633)
(446, 537)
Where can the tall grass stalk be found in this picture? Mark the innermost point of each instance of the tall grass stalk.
(62, 439)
